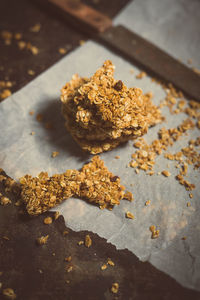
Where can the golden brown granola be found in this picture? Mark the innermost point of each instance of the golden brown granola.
(155, 232)
(115, 288)
(129, 215)
(9, 293)
(102, 112)
(48, 220)
(88, 241)
(93, 182)
(42, 240)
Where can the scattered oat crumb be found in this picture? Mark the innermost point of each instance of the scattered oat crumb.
(40, 271)
(54, 154)
(35, 28)
(147, 202)
(81, 42)
(184, 238)
(166, 173)
(4, 200)
(39, 117)
(62, 50)
(141, 75)
(18, 203)
(80, 243)
(56, 215)
(42, 240)
(34, 50)
(48, 220)
(0, 285)
(128, 196)
(68, 258)
(88, 241)
(103, 267)
(6, 238)
(53, 254)
(31, 72)
(117, 157)
(137, 171)
(191, 195)
(67, 281)
(5, 93)
(110, 262)
(21, 45)
(32, 132)
(129, 215)
(115, 288)
(18, 36)
(155, 232)
(188, 204)
(31, 113)
(9, 293)
(69, 269)
(65, 232)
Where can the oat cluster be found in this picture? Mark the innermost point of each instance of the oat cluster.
(93, 182)
(101, 112)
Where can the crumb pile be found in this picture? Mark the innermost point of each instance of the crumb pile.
(101, 112)
(93, 182)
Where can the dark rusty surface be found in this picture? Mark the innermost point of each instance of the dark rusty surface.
(38, 272)
(153, 60)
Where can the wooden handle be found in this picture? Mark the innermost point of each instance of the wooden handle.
(81, 15)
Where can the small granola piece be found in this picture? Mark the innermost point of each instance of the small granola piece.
(9, 293)
(31, 113)
(4, 200)
(188, 204)
(88, 241)
(68, 258)
(117, 157)
(80, 243)
(155, 232)
(56, 215)
(18, 36)
(32, 133)
(54, 154)
(21, 45)
(141, 75)
(129, 215)
(6, 93)
(166, 173)
(0, 285)
(42, 240)
(65, 232)
(81, 42)
(69, 269)
(36, 27)
(62, 50)
(48, 220)
(128, 196)
(103, 267)
(31, 72)
(147, 202)
(190, 195)
(110, 262)
(115, 288)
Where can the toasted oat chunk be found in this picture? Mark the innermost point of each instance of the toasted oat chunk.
(166, 173)
(4, 200)
(103, 267)
(88, 241)
(129, 215)
(42, 240)
(9, 293)
(48, 220)
(115, 288)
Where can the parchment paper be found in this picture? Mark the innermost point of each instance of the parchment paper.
(22, 153)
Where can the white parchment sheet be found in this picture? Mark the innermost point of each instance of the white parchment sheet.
(21, 153)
